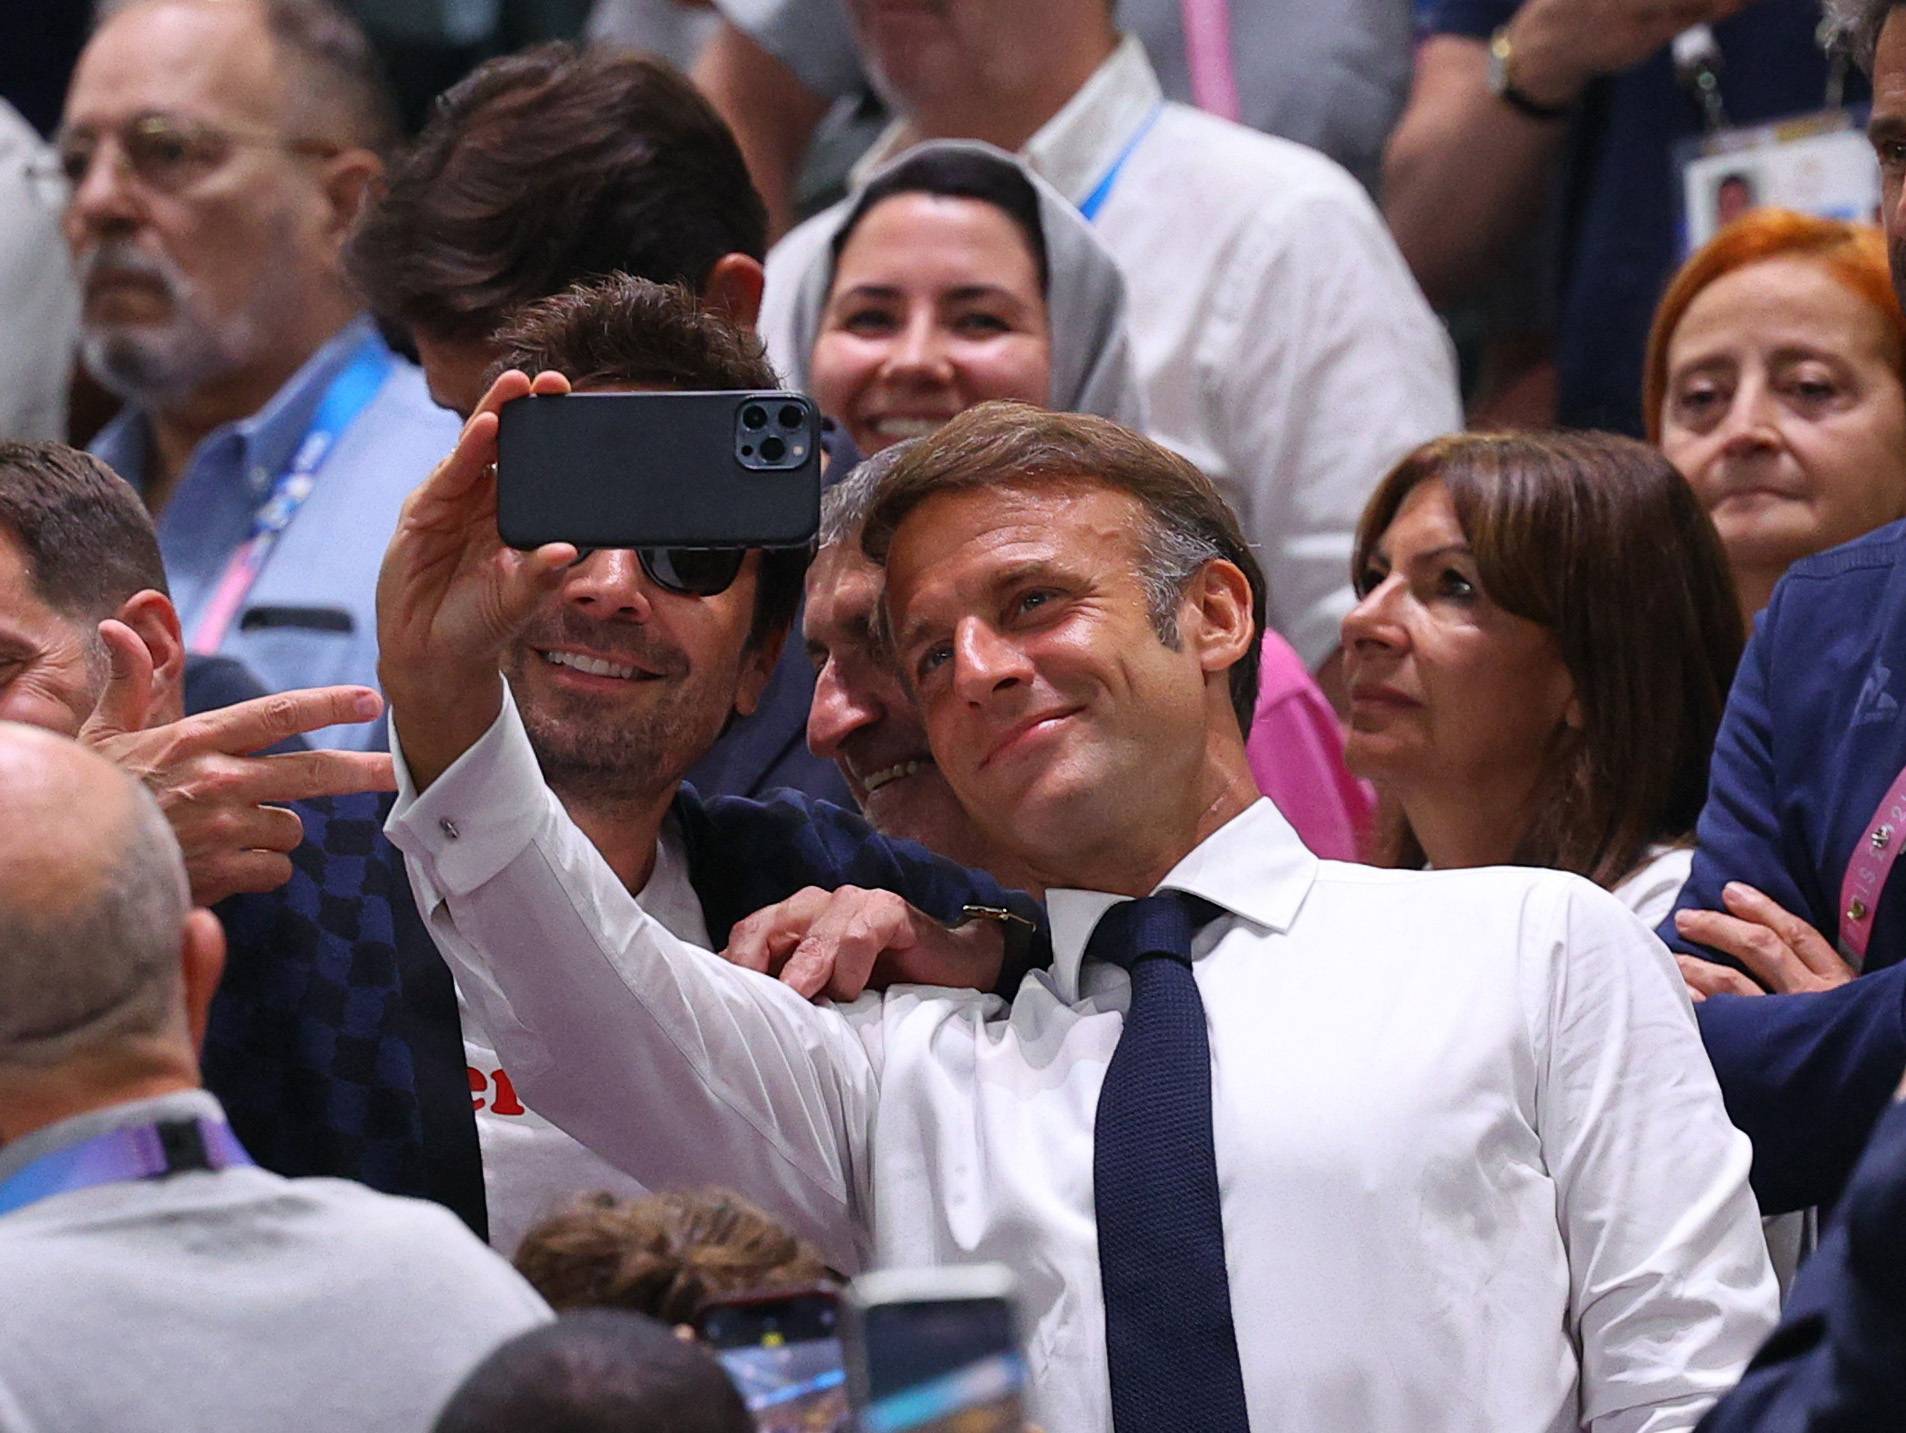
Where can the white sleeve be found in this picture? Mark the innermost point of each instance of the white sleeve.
(1670, 1288)
(1324, 368)
(662, 1057)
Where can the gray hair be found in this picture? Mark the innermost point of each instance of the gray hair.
(845, 505)
(1855, 26)
(105, 965)
(338, 73)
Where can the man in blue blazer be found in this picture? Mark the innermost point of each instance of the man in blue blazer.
(1812, 739)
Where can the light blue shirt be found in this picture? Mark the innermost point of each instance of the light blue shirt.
(311, 617)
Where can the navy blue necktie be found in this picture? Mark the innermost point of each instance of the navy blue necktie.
(1168, 1333)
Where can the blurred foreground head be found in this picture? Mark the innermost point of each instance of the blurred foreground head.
(597, 1371)
(106, 972)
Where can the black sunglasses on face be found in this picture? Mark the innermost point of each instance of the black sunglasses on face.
(692, 571)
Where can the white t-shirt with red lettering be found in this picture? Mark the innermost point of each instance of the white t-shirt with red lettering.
(529, 1166)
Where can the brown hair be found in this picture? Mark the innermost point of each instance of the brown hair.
(1854, 254)
(547, 168)
(622, 332)
(664, 1255)
(88, 542)
(1598, 539)
(1187, 522)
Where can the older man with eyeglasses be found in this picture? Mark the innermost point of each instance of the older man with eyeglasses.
(213, 157)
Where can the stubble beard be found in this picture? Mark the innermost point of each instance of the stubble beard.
(606, 756)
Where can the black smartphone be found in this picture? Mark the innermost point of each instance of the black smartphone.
(935, 1349)
(783, 1352)
(712, 470)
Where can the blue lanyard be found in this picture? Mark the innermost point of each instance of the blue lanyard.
(1095, 201)
(344, 399)
(138, 1152)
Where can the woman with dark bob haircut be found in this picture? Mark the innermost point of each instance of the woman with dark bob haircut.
(1543, 643)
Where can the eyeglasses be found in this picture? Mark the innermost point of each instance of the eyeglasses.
(692, 571)
(164, 153)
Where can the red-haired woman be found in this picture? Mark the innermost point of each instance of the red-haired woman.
(1776, 382)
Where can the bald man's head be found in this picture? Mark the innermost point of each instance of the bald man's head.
(93, 907)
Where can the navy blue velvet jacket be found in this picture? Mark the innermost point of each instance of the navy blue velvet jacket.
(1813, 736)
(334, 1041)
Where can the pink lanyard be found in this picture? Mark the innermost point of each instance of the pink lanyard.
(1214, 81)
(1867, 869)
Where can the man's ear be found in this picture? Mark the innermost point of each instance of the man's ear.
(349, 181)
(155, 621)
(757, 667)
(1215, 616)
(201, 965)
(733, 289)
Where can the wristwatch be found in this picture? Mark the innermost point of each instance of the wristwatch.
(1023, 945)
(1502, 81)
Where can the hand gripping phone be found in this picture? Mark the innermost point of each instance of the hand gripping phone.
(935, 1351)
(644, 470)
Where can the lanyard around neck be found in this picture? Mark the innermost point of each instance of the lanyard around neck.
(136, 1152)
(1095, 201)
(346, 396)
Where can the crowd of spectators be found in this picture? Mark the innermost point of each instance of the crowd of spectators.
(1325, 790)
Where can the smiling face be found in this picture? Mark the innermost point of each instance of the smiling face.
(623, 685)
(864, 719)
(1785, 412)
(935, 306)
(1449, 694)
(189, 279)
(1069, 730)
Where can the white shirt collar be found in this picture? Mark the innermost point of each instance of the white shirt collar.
(1254, 866)
(1074, 149)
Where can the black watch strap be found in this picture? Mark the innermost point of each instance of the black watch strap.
(1502, 82)
(1534, 109)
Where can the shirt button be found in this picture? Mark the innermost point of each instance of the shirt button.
(449, 827)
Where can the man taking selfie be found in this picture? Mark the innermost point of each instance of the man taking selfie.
(355, 1035)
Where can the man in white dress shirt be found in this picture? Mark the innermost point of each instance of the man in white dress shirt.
(1282, 344)
(1472, 1166)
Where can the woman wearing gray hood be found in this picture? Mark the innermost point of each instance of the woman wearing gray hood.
(952, 277)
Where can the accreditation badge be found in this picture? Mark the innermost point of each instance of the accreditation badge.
(1818, 163)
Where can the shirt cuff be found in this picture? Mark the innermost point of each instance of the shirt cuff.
(479, 815)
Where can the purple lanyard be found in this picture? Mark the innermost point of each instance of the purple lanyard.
(138, 1152)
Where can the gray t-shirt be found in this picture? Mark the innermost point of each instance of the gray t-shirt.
(238, 1300)
(1332, 74)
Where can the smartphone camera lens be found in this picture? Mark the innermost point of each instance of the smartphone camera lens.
(772, 433)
